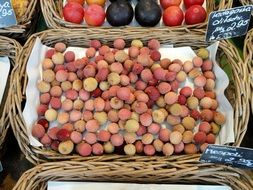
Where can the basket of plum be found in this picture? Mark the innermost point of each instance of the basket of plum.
(129, 14)
(82, 98)
(9, 51)
(39, 177)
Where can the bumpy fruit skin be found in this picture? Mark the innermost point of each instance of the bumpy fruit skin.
(63, 135)
(132, 126)
(104, 136)
(203, 53)
(180, 128)
(190, 148)
(187, 137)
(38, 131)
(108, 147)
(200, 137)
(117, 140)
(119, 43)
(130, 149)
(147, 138)
(84, 149)
(97, 149)
(149, 150)
(139, 147)
(168, 149)
(203, 147)
(205, 127)
(154, 44)
(219, 118)
(90, 84)
(164, 135)
(66, 147)
(175, 137)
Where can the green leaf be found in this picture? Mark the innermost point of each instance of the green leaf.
(226, 67)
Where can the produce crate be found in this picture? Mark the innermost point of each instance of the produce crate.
(248, 58)
(182, 172)
(237, 92)
(10, 48)
(52, 11)
(25, 24)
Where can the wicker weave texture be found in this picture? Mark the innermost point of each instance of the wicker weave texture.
(10, 48)
(246, 2)
(248, 58)
(25, 24)
(173, 171)
(237, 90)
(52, 11)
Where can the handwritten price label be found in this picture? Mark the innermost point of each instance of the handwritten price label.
(228, 155)
(228, 23)
(7, 14)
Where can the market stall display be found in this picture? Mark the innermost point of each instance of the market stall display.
(248, 58)
(237, 92)
(174, 171)
(126, 98)
(128, 15)
(9, 52)
(26, 13)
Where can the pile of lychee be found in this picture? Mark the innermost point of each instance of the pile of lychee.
(126, 101)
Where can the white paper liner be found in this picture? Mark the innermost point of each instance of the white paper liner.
(4, 72)
(59, 185)
(34, 72)
(134, 22)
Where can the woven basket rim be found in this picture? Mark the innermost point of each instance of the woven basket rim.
(246, 2)
(34, 154)
(13, 50)
(248, 59)
(54, 19)
(158, 173)
(24, 22)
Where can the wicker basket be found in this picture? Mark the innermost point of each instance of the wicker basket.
(248, 58)
(52, 11)
(237, 90)
(137, 172)
(246, 2)
(26, 24)
(10, 48)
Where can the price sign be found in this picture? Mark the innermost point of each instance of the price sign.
(228, 155)
(228, 23)
(7, 14)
